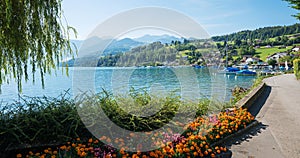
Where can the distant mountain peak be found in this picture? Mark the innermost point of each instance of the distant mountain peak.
(165, 38)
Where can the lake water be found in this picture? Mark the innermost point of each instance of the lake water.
(188, 82)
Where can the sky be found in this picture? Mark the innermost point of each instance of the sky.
(216, 17)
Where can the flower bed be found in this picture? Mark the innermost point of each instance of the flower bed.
(196, 141)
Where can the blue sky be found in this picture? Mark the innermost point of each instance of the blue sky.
(217, 17)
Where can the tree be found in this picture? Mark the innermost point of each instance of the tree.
(296, 5)
(32, 33)
(285, 58)
(238, 42)
(272, 62)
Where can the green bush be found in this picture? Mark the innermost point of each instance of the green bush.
(39, 121)
(296, 64)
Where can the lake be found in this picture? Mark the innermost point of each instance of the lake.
(188, 82)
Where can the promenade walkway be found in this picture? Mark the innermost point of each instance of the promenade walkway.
(278, 134)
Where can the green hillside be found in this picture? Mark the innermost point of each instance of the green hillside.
(264, 52)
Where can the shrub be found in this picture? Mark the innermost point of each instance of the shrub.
(39, 121)
(296, 63)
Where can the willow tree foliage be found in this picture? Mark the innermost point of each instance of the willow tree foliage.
(296, 5)
(34, 36)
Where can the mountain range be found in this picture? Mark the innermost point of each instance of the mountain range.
(94, 45)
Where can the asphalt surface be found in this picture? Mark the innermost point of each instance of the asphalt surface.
(278, 134)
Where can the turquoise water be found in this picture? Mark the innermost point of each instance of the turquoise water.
(188, 82)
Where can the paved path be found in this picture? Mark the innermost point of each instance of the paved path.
(279, 134)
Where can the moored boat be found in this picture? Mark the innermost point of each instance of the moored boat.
(245, 72)
(229, 71)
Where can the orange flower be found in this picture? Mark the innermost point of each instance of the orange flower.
(195, 154)
(209, 150)
(90, 140)
(19, 155)
(192, 147)
(83, 154)
(201, 145)
(205, 152)
(63, 147)
(144, 156)
(179, 150)
(54, 152)
(167, 148)
(30, 153)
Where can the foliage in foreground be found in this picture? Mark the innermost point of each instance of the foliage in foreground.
(295, 5)
(33, 38)
(196, 141)
(44, 121)
(38, 121)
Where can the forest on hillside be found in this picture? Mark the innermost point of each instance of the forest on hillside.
(264, 33)
(158, 54)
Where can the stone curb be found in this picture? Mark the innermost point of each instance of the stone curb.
(248, 100)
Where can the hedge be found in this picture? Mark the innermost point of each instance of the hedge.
(296, 63)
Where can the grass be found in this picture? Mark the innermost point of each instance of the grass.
(38, 121)
(265, 52)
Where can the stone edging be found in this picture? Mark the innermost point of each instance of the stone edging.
(248, 100)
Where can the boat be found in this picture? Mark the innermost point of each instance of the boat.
(229, 71)
(198, 66)
(245, 72)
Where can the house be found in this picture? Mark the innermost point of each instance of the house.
(282, 47)
(252, 60)
(184, 57)
(245, 57)
(276, 56)
(268, 46)
(296, 49)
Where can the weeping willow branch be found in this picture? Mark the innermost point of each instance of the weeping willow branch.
(295, 4)
(32, 32)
